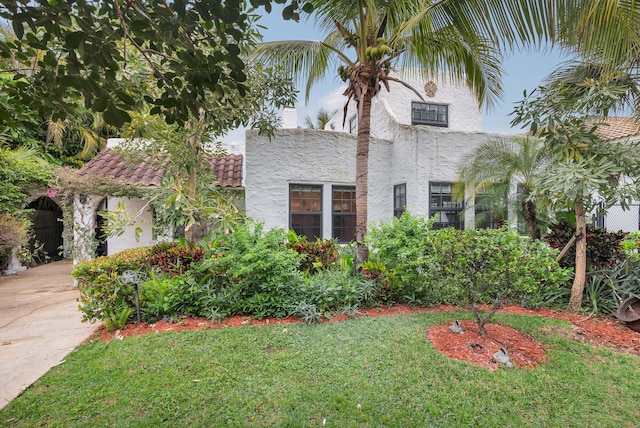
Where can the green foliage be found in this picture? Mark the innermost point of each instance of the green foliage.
(102, 295)
(257, 267)
(607, 287)
(331, 290)
(86, 50)
(14, 231)
(172, 258)
(449, 266)
(156, 298)
(19, 175)
(630, 246)
(308, 312)
(603, 247)
(492, 167)
(316, 256)
(491, 266)
(116, 317)
(405, 247)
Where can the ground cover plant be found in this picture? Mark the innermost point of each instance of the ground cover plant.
(362, 372)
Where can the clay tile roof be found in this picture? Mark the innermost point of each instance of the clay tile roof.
(618, 128)
(228, 170)
(109, 163)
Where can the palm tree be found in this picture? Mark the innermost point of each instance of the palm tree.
(86, 131)
(321, 120)
(504, 162)
(367, 37)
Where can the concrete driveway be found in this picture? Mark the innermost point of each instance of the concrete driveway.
(39, 325)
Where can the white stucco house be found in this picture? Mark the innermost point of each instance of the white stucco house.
(305, 179)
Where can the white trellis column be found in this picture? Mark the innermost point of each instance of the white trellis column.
(84, 227)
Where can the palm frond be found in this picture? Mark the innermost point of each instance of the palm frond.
(56, 130)
(296, 58)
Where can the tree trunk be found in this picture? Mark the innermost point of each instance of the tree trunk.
(192, 183)
(362, 174)
(529, 210)
(575, 302)
(191, 193)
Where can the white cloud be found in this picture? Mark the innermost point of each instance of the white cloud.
(333, 100)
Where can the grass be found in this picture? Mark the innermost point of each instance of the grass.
(357, 373)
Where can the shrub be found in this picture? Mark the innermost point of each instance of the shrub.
(491, 266)
(256, 267)
(630, 246)
(405, 246)
(427, 266)
(332, 290)
(14, 232)
(156, 298)
(315, 256)
(102, 295)
(603, 247)
(172, 258)
(606, 288)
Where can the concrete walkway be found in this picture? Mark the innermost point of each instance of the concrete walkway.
(39, 325)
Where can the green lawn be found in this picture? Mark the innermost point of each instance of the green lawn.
(359, 373)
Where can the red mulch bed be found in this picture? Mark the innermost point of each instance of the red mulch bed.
(524, 350)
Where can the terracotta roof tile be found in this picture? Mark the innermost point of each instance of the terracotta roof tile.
(109, 163)
(228, 170)
(618, 128)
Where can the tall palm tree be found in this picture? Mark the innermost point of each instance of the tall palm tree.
(365, 38)
(501, 162)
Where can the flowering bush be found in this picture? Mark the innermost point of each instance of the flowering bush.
(13, 232)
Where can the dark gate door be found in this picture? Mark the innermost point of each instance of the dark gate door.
(47, 228)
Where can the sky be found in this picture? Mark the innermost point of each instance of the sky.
(522, 71)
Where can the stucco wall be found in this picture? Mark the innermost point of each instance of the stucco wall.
(416, 156)
(303, 156)
(395, 106)
(128, 238)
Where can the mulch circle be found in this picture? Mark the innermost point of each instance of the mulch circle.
(469, 346)
(524, 350)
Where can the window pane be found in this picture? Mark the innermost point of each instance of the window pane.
(343, 213)
(429, 114)
(399, 199)
(443, 205)
(305, 210)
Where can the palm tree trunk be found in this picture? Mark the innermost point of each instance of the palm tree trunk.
(362, 174)
(529, 210)
(575, 301)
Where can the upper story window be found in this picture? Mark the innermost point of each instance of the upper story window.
(353, 124)
(429, 114)
(443, 204)
(305, 210)
(399, 199)
(343, 213)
